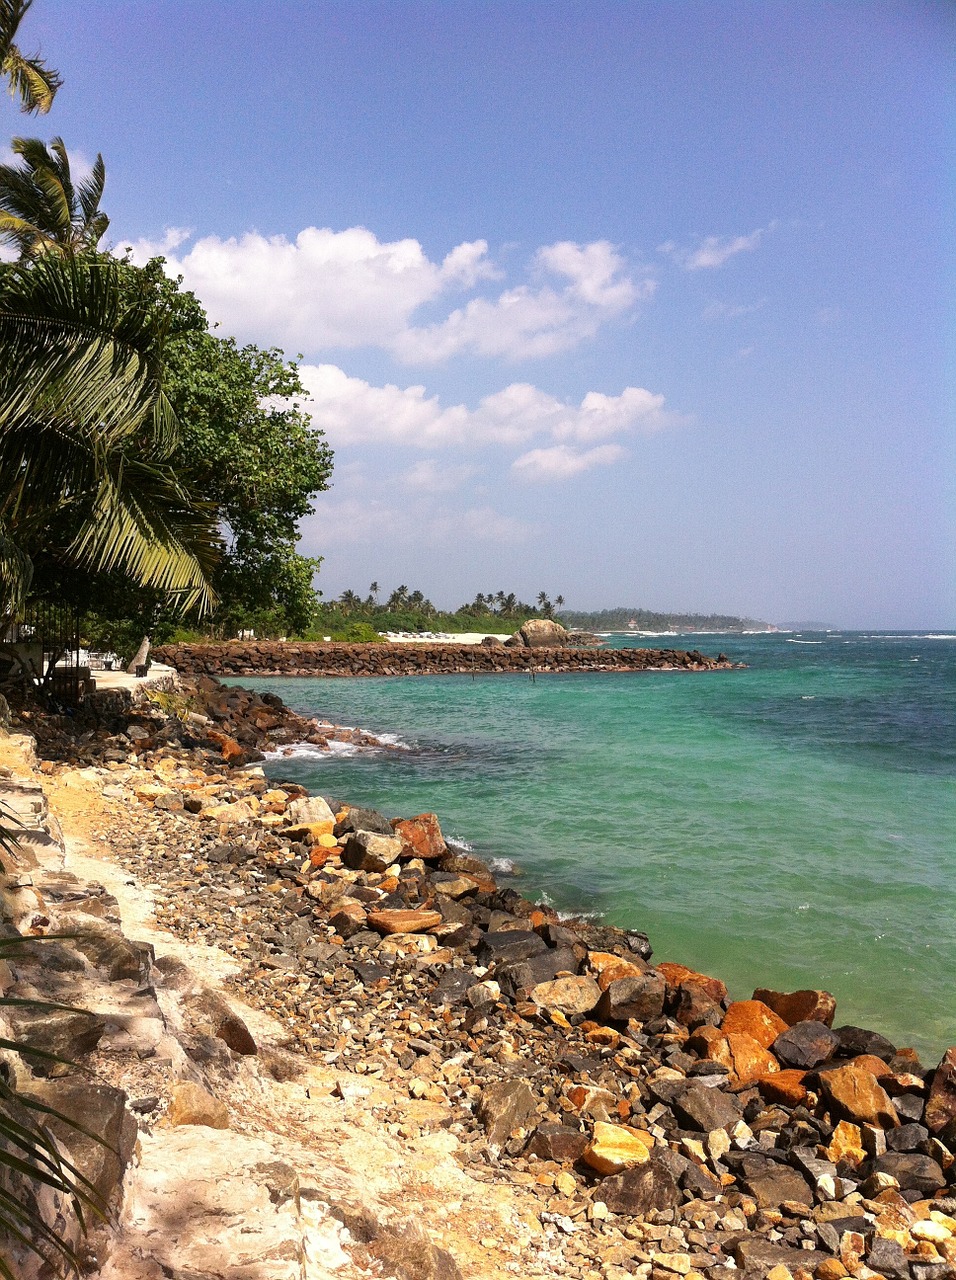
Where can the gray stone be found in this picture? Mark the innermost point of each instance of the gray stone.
(770, 1183)
(558, 1142)
(510, 947)
(640, 997)
(639, 1190)
(914, 1172)
(101, 1111)
(364, 820)
(66, 1033)
(369, 851)
(699, 1107)
(805, 1045)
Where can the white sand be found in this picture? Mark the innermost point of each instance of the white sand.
(443, 637)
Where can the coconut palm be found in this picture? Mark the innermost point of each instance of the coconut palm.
(42, 209)
(30, 81)
(84, 433)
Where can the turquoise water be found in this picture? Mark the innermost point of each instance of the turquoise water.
(790, 825)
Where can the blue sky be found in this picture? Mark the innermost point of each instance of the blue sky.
(640, 303)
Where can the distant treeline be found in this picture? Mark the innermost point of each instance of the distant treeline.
(644, 620)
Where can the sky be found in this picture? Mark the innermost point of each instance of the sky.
(642, 303)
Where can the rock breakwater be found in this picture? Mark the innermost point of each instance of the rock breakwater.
(243, 658)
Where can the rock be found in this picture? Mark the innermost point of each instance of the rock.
(541, 633)
(369, 851)
(557, 1142)
(308, 810)
(101, 1111)
(799, 1006)
(940, 1114)
(755, 1019)
(805, 1045)
(66, 1033)
(225, 1024)
(421, 837)
(757, 1256)
(363, 820)
(509, 947)
(745, 1059)
(504, 1107)
(190, 1103)
(570, 996)
(888, 1259)
(855, 1041)
(678, 975)
(847, 1144)
(641, 1189)
(348, 918)
(705, 1109)
(852, 1093)
(640, 997)
(914, 1172)
(771, 1183)
(786, 1087)
(609, 967)
(407, 1253)
(109, 950)
(616, 1147)
(417, 921)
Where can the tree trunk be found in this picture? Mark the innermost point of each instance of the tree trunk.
(139, 659)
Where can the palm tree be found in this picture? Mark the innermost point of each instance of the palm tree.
(30, 81)
(42, 209)
(349, 600)
(558, 601)
(85, 429)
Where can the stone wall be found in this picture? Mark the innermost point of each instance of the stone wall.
(243, 658)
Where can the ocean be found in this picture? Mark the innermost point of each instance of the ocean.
(789, 825)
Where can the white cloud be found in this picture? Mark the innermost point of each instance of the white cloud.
(352, 411)
(714, 251)
(369, 519)
(431, 476)
(347, 289)
(562, 461)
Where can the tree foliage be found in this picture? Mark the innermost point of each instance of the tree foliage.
(42, 210)
(29, 79)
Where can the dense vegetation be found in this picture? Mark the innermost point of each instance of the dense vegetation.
(622, 619)
(357, 618)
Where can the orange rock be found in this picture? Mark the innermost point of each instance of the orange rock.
(677, 975)
(870, 1062)
(799, 1006)
(609, 968)
(616, 1147)
(421, 837)
(785, 1087)
(403, 921)
(846, 1144)
(229, 748)
(309, 832)
(753, 1018)
(852, 1093)
(744, 1057)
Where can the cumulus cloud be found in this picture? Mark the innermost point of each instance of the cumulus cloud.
(351, 411)
(431, 476)
(347, 289)
(714, 251)
(562, 461)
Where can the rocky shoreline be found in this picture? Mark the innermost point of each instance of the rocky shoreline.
(279, 658)
(658, 1128)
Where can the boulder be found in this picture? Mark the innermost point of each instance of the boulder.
(510, 946)
(557, 1142)
(616, 1147)
(370, 851)
(852, 1093)
(363, 820)
(421, 837)
(755, 1019)
(541, 633)
(504, 1107)
(639, 1190)
(309, 809)
(570, 996)
(103, 1152)
(640, 997)
(419, 921)
(771, 1183)
(678, 975)
(66, 1033)
(784, 1087)
(940, 1115)
(913, 1171)
(746, 1060)
(855, 1041)
(805, 1045)
(705, 1109)
(190, 1103)
(799, 1006)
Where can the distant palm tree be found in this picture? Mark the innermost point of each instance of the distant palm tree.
(558, 601)
(30, 81)
(373, 589)
(42, 210)
(349, 601)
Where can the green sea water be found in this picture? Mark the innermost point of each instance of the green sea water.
(788, 825)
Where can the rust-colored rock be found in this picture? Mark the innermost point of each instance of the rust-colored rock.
(940, 1112)
(846, 1144)
(415, 921)
(229, 748)
(784, 1087)
(852, 1093)
(421, 837)
(611, 968)
(191, 1104)
(799, 1006)
(678, 975)
(744, 1057)
(755, 1019)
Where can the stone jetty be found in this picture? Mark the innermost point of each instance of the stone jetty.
(280, 658)
(640, 1120)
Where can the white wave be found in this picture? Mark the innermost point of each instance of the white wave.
(456, 843)
(336, 748)
(503, 866)
(804, 642)
(939, 635)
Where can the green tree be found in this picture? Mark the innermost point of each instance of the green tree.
(29, 80)
(246, 449)
(86, 437)
(42, 210)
